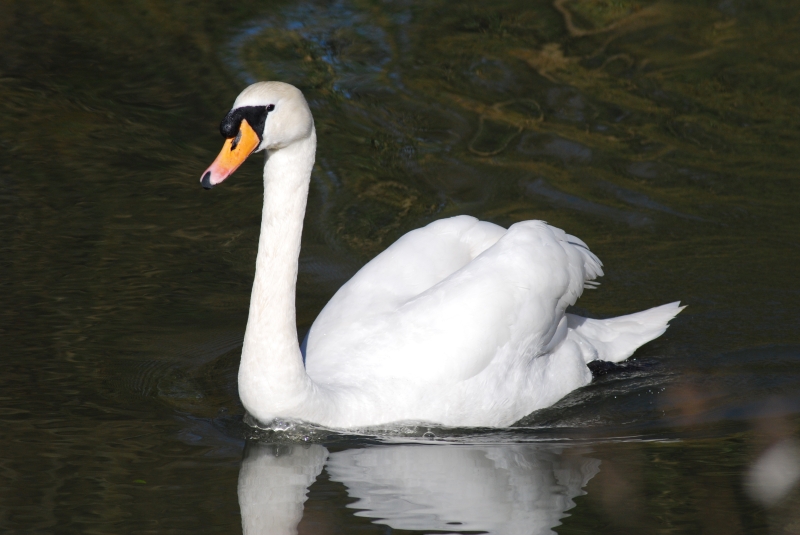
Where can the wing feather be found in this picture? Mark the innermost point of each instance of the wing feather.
(446, 300)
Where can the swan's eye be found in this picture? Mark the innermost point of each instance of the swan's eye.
(270, 107)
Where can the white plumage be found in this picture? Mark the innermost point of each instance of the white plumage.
(459, 323)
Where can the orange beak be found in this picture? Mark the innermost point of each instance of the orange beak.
(234, 152)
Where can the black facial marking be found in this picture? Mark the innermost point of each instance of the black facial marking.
(256, 116)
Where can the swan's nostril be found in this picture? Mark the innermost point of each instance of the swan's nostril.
(236, 141)
(206, 181)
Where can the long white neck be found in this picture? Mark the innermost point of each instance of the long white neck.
(272, 379)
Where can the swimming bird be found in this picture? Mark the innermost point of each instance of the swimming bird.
(458, 323)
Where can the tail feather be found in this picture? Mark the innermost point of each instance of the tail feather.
(615, 339)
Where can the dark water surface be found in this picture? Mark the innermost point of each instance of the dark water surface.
(664, 134)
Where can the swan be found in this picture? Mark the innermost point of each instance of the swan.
(460, 323)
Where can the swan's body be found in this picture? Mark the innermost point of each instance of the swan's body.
(459, 323)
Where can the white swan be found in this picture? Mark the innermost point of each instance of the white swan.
(459, 323)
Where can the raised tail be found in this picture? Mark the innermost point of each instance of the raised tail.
(615, 339)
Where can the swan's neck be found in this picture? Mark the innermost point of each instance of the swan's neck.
(272, 378)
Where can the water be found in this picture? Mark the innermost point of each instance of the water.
(662, 134)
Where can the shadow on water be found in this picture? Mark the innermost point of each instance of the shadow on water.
(664, 134)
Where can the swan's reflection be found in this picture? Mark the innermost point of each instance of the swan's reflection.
(509, 489)
(273, 482)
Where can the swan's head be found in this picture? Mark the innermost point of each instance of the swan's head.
(266, 115)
